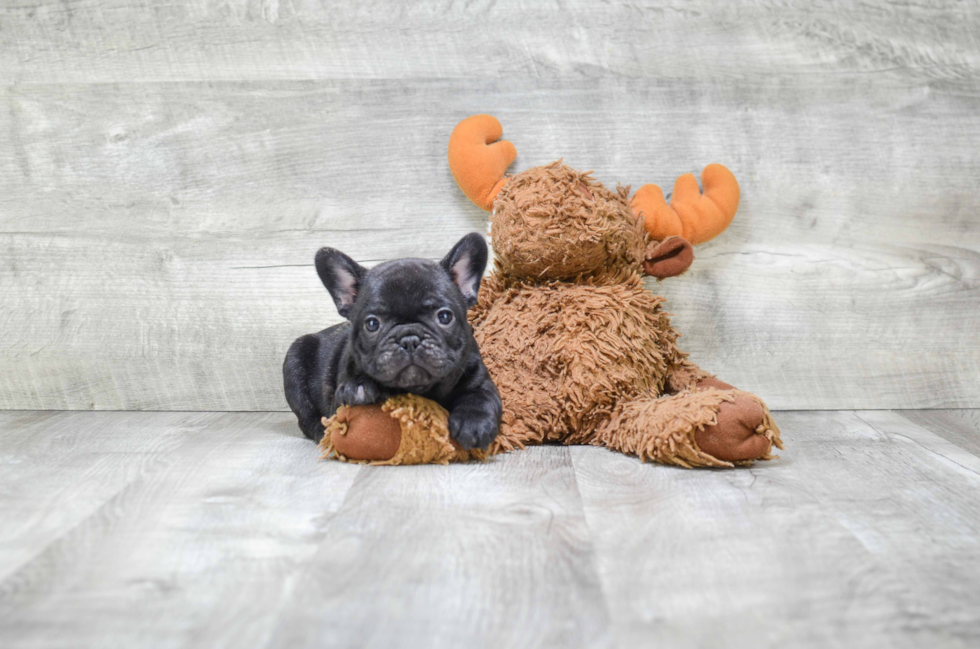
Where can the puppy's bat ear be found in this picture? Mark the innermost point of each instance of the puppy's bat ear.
(465, 263)
(342, 277)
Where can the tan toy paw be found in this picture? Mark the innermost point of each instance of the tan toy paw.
(744, 430)
(405, 429)
(735, 438)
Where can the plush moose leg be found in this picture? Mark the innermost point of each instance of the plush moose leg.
(741, 432)
(703, 426)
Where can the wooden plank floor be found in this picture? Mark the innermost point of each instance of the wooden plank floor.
(223, 529)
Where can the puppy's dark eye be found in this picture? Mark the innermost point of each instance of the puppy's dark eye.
(445, 316)
(371, 323)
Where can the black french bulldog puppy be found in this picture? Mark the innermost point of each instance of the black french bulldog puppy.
(407, 332)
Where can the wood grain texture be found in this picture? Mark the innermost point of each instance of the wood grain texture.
(166, 174)
(199, 543)
(111, 40)
(485, 555)
(205, 530)
(961, 427)
(60, 468)
(238, 535)
(864, 534)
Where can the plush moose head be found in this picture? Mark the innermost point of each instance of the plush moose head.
(553, 222)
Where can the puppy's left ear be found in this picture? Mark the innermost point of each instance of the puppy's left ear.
(465, 263)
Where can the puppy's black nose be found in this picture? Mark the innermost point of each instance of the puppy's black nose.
(410, 342)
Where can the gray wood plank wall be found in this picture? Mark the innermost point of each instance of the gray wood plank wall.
(168, 170)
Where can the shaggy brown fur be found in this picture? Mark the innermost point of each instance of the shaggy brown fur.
(418, 428)
(580, 350)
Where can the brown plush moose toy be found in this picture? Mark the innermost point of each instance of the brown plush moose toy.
(580, 350)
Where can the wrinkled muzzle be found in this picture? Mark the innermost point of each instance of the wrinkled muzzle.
(410, 357)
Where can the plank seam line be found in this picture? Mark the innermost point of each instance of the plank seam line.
(920, 444)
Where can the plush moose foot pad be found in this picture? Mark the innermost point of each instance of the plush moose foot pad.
(739, 435)
(405, 429)
(744, 430)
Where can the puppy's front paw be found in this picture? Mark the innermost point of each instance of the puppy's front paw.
(359, 392)
(472, 428)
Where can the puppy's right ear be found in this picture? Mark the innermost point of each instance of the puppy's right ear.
(342, 277)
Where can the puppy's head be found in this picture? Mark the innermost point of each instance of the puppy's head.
(409, 315)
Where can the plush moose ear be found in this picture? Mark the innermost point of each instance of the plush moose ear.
(342, 277)
(465, 263)
(668, 258)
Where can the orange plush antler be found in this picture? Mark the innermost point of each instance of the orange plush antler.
(696, 216)
(477, 160)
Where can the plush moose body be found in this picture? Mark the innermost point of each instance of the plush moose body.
(580, 350)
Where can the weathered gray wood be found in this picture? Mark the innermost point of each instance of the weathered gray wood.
(167, 172)
(187, 297)
(744, 40)
(176, 529)
(61, 468)
(199, 543)
(961, 427)
(236, 534)
(488, 555)
(866, 533)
